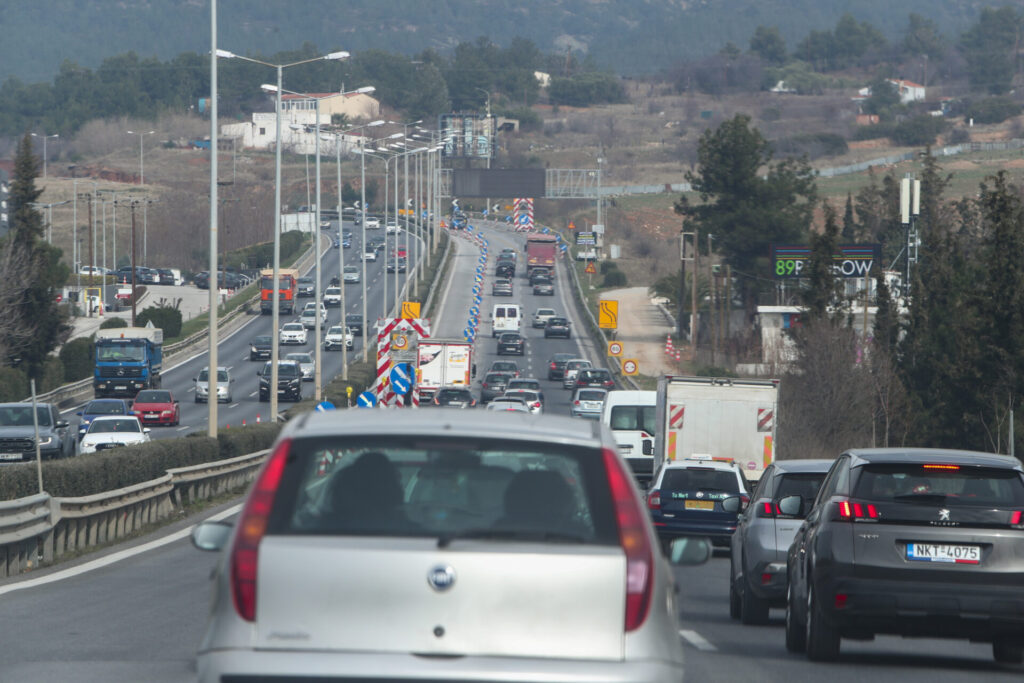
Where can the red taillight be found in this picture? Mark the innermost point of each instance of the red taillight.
(1015, 518)
(941, 467)
(485, 385)
(634, 539)
(252, 524)
(850, 511)
(436, 402)
(841, 599)
(654, 500)
(766, 508)
(554, 367)
(536, 404)
(575, 403)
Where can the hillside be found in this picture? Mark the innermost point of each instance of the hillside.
(631, 37)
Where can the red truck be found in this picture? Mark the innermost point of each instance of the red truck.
(288, 287)
(540, 252)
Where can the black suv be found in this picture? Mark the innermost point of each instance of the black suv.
(260, 347)
(912, 542)
(354, 322)
(556, 365)
(305, 287)
(17, 433)
(289, 380)
(557, 327)
(505, 268)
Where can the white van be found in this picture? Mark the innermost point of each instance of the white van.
(631, 415)
(506, 318)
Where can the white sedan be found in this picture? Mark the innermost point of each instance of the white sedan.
(111, 431)
(337, 336)
(293, 333)
(392, 228)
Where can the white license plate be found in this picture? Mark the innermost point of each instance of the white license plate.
(942, 552)
(152, 416)
(120, 388)
(10, 456)
(625, 448)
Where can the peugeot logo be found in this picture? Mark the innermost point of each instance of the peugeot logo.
(441, 578)
(943, 515)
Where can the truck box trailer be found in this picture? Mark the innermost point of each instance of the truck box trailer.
(440, 363)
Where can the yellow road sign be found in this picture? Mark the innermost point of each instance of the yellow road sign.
(410, 309)
(608, 314)
(615, 348)
(630, 366)
(399, 341)
(590, 269)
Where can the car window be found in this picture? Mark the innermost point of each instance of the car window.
(399, 486)
(104, 408)
(700, 479)
(633, 418)
(763, 489)
(913, 482)
(496, 378)
(110, 426)
(803, 484)
(828, 486)
(590, 395)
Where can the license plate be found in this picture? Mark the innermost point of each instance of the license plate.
(121, 388)
(152, 416)
(700, 505)
(10, 456)
(941, 552)
(625, 448)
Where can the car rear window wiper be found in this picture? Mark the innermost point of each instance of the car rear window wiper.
(508, 535)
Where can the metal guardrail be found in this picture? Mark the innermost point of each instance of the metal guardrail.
(38, 529)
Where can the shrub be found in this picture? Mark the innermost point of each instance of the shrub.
(959, 136)
(614, 278)
(879, 130)
(13, 385)
(77, 356)
(918, 131)
(608, 265)
(52, 375)
(113, 322)
(993, 110)
(166, 318)
(811, 145)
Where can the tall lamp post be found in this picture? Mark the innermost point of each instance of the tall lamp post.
(44, 136)
(142, 168)
(276, 313)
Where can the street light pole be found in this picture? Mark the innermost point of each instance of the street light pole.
(44, 136)
(213, 377)
(142, 168)
(317, 383)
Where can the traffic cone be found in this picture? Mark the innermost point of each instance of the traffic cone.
(228, 427)
(668, 345)
(257, 418)
(243, 421)
(321, 470)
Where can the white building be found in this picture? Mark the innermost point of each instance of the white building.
(298, 133)
(908, 91)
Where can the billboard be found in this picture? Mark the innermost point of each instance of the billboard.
(498, 182)
(850, 260)
(467, 136)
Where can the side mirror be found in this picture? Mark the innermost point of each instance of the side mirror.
(689, 551)
(195, 379)
(79, 413)
(145, 430)
(211, 536)
(792, 506)
(176, 400)
(733, 504)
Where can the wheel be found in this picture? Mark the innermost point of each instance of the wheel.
(264, 399)
(753, 610)
(822, 637)
(734, 596)
(1006, 651)
(796, 637)
(197, 400)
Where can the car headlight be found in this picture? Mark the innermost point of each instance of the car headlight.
(253, 349)
(45, 440)
(167, 412)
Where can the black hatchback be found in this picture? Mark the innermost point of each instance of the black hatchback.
(260, 347)
(557, 327)
(511, 343)
(911, 542)
(354, 321)
(556, 364)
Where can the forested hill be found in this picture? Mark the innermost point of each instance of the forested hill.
(630, 36)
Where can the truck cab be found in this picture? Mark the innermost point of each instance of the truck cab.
(128, 360)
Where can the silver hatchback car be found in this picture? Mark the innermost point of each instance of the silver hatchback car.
(757, 576)
(511, 547)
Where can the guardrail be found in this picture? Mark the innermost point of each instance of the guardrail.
(39, 529)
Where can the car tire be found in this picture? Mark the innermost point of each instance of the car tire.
(1006, 651)
(197, 398)
(753, 610)
(822, 638)
(734, 596)
(264, 399)
(796, 636)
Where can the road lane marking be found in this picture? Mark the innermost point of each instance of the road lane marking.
(697, 640)
(114, 558)
(234, 405)
(183, 428)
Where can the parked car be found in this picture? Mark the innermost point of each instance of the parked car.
(156, 407)
(224, 382)
(541, 316)
(166, 276)
(354, 322)
(588, 402)
(289, 380)
(454, 397)
(440, 511)
(293, 333)
(573, 366)
(101, 406)
(113, 431)
(757, 565)
(558, 327)
(336, 337)
(595, 377)
(511, 343)
(494, 385)
(17, 433)
(909, 542)
(306, 364)
(556, 365)
(261, 347)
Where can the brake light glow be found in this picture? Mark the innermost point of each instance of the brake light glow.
(941, 467)
(252, 525)
(654, 500)
(635, 541)
(841, 599)
(850, 511)
(553, 366)
(1015, 518)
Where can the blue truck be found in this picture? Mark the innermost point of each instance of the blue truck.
(128, 359)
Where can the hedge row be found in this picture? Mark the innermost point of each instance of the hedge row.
(95, 473)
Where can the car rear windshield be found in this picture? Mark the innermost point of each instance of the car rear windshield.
(496, 378)
(454, 395)
(803, 484)
(445, 488)
(591, 395)
(633, 418)
(700, 479)
(948, 484)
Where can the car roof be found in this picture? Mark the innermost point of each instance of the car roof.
(793, 466)
(942, 456)
(687, 463)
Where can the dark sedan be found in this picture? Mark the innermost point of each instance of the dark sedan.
(511, 343)
(494, 385)
(595, 377)
(540, 275)
(557, 327)
(260, 347)
(306, 286)
(354, 322)
(556, 365)
(454, 397)
(911, 542)
(544, 288)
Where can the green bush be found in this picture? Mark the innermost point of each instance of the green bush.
(811, 145)
(77, 356)
(13, 387)
(993, 110)
(110, 323)
(166, 318)
(879, 130)
(52, 375)
(918, 131)
(614, 278)
(608, 265)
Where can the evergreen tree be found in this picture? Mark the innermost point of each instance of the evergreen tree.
(849, 220)
(822, 294)
(767, 44)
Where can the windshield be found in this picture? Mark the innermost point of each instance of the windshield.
(262, 341)
(335, 330)
(292, 327)
(956, 485)
(288, 370)
(268, 283)
(805, 485)
(127, 425)
(21, 416)
(118, 352)
(633, 418)
(591, 395)
(104, 408)
(395, 486)
(151, 396)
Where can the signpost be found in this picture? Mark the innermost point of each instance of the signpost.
(608, 314)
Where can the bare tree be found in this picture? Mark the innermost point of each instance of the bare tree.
(15, 270)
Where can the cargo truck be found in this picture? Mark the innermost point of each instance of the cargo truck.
(732, 420)
(128, 359)
(440, 363)
(289, 282)
(540, 252)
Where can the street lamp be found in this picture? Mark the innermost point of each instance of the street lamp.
(276, 313)
(44, 136)
(142, 168)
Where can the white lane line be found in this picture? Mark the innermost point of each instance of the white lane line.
(697, 640)
(234, 405)
(253, 393)
(114, 557)
(183, 428)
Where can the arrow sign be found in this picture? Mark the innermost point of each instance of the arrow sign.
(400, 380)
(324, 406)
(367, 399)
(474, 310)
(564, 247)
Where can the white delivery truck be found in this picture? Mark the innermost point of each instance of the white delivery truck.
(441, 363)
(632, 417)
(732, 420)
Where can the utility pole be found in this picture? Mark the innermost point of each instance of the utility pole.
(133, 203)
(92, 245)
(711, 302)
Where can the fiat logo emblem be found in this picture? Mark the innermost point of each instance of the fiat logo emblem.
(441, 578)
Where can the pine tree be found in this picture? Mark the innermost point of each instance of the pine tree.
(849, 221)
(822, 294)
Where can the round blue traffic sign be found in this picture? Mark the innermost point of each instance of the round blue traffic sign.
(367, 399)
(324, 406)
